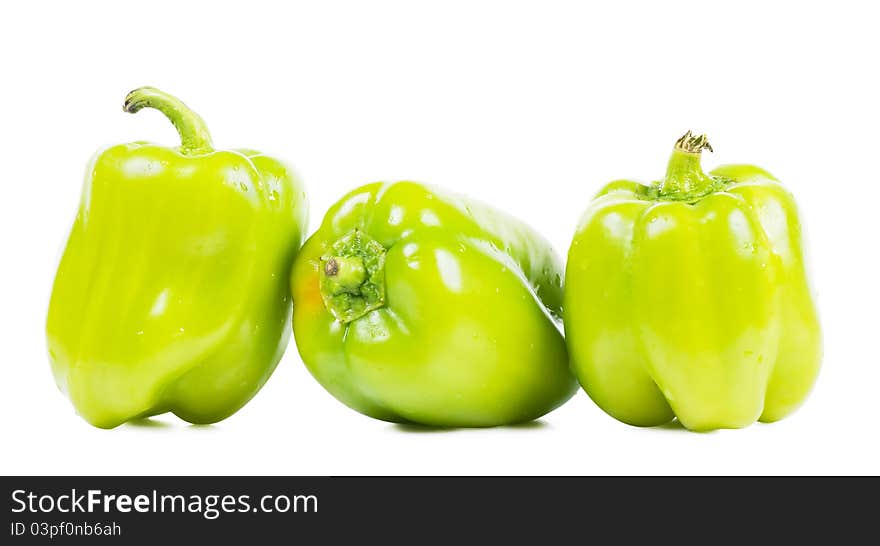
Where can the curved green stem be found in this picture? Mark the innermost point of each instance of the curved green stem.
(194, 135)
(685, 179)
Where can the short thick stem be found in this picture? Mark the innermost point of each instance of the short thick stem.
(194, 135)
(685, 178)
(345, 273)
(352, 277)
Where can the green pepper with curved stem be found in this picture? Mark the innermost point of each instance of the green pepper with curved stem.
(415, 305)
(171, 294)
(689, 298)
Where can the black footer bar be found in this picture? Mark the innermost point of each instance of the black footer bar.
(416, 510)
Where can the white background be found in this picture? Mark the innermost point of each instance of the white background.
(529, 105)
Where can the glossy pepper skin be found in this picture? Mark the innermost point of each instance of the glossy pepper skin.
(172, 294)
(689, 298)
(415, 305)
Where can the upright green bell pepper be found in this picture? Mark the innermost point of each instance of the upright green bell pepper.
(689, 298)
(171, 294)
(414, 305)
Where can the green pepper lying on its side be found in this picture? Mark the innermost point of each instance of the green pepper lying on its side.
(172, 291)
(413, 305)
(689, 298)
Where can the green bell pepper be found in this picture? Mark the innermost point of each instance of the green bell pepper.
(171, 294)
(689, 298)
(414, 305)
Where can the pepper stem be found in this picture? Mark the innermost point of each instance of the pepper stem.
(346, 273)
(685, 179)
(693, 144)
(352, 277)
(194, 135)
